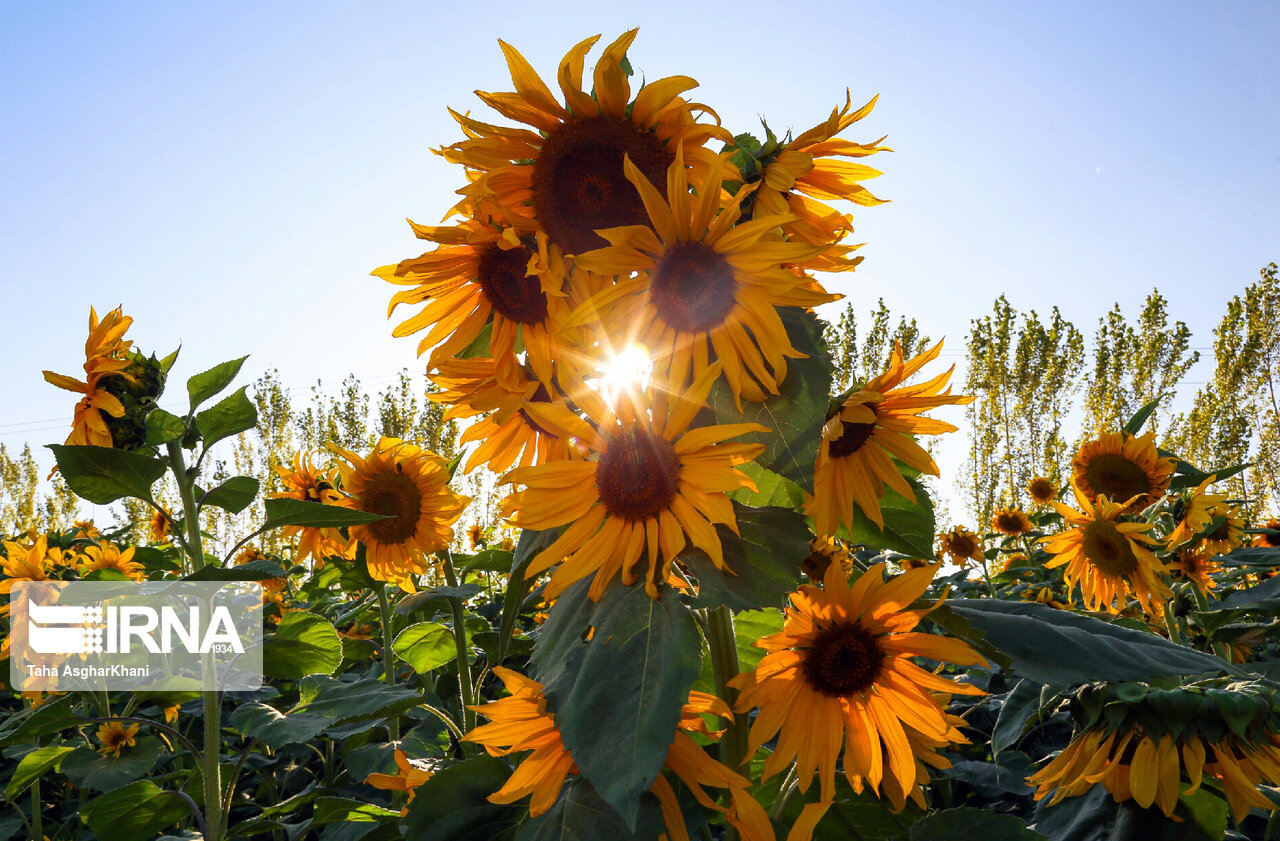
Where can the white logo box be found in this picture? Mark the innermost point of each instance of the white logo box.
(126, 636)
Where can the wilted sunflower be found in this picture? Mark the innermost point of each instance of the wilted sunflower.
(875, 425)
(1010, 521)
(107, 555)
(115, 737)
(654, 484)
(697, 286)
(410, 486)
(1041, 491)
(106, 355)
(308, 483)
(521, 722)
(1126, 469)
(961, 545)
(839, 676)
(805, 173)
(567, 172)
(1107, 557)
(1131, 761)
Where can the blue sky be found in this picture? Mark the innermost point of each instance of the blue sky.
(231, 172)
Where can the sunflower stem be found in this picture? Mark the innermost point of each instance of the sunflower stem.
(212, 769)
(724, 665)
(1202, 604)
(460, 644)
(37, 817)
(388, 655)
(1171, 623)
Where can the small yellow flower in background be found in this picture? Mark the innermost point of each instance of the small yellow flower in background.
(86, 529)
(39, 698)
(27, 563)
(308, 483)
(1041, 491)
(115, 737)
(839, 677)
(161, 525)
(410, 773)
(1198, 567)
(874, 426)
(1269, 540)
(1044, 595)
(1124, 468)
(1015, 559)
(520, 722)
(1107, 557)
(410, 486)
(171, 713)
(107, 555)
(475, 534)
(961, 545)
(508, 545)
(1010, 521)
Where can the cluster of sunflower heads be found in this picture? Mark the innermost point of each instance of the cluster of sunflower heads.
(1153, 745)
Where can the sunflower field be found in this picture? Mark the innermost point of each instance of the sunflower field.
(727, 610)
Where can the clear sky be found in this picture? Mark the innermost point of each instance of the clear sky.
(231, 172)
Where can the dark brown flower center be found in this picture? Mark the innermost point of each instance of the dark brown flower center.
(693, 287)
(1117, 477)
(962, 546)
(395, 496)
(1009, 523)
(1222, 532)
(843, 659)
(1272, 540)
(853, 436)
(1108, 550)
(511, 292)
(1041, 490)
(580, 186)
(637, 475)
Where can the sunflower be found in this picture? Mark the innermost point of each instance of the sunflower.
(1227, 535)
(507, 433)
(1197, 567)
(822, 552)
(106, 355)
(1109, 558)
(1010, 521)
(1044, 596)
(161, 525)
(410, 773)
(1194, 513)
(804, 174)
(171, 713)
(1041, 490)
(480, 275)
(961, 545)
(1015, 559)
(1125, 468)
(839, 675)
(107, 555)
(25, 563)
(1269, 538)
(308, 483)
(874, 426)
(409, 486)
(567, 173)
(475, 534)
(654, 483)
(521, 722)
(115, 737)
(85, 529)
(697, 286)
(1134, 761)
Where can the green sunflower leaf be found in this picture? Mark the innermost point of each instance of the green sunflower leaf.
(425, 646)
(297, 512)
(617, 711)
(163, 427)
(33, 766)
(909, 526)
(138, 810)
(231, 415)
(796, 415)
(104, 474)
(233, 495)
(764, 563)
(304, 644)
(208, 383)
(967, 822)
(580, 814)
(453, 805)
(1061, 649)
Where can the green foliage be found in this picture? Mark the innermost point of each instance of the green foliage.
(304, 644)
(104, 474)
(209, 383)
(138, 810)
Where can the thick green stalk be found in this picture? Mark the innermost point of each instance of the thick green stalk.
(212, 769)
(388, 655)
(460, 644)
(724, 665)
